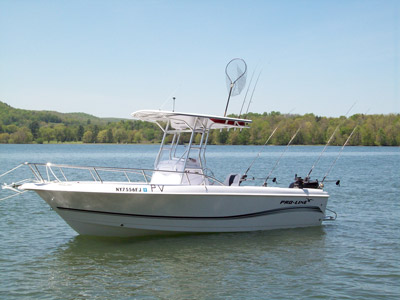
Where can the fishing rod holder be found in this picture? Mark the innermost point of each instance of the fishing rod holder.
(265, 184)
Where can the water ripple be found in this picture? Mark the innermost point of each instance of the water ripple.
(355, 257)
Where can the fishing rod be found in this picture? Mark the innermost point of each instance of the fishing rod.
(277, 162)
(341, 150)
(248, 88)
(288, 114)
(329, 141)
(258, 154)
(251, 98)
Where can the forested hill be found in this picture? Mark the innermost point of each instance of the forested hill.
(28, 126)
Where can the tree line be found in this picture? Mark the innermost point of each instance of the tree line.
(19, 126)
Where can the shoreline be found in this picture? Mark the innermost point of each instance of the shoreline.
(157, 144)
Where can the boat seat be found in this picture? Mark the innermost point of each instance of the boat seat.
(233, 179)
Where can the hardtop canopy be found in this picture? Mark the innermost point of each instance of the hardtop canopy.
(184, 121)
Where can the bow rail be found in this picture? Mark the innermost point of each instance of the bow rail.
(49, 172)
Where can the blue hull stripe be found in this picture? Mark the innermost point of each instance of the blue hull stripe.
(314, 209)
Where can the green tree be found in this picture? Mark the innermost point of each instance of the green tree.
(48, 126)
(137, 137)
(110, 136)
(222, 136)
(244, 137)
(148, 134)
(4, 138)
(120, 135)
(59, 132)
(11, 128)
(34, 127)
(88, 137)
(21, 136)
(102, 136)
(47, 133)
(80, 132)
(233, 138)
(380, 139)
(70, 134)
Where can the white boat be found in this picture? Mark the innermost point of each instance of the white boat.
(179, 195)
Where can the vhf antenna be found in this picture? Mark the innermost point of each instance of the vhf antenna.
(169, 97)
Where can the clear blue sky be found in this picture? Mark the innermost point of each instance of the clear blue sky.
(110, 58)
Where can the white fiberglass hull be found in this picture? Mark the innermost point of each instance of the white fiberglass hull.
(121, 209)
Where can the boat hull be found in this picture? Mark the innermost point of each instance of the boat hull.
(122, 210)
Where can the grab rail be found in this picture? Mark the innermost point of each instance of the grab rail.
(94, 172)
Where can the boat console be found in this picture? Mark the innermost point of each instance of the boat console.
(185, 163)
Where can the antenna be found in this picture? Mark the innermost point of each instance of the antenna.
(329, 141)
(277, 162)
(170, 96)
(236, 71)
(258, 154)
(251, 98)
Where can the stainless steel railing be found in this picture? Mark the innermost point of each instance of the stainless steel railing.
(57, 172)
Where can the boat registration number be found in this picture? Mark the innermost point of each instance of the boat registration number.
(153, 188)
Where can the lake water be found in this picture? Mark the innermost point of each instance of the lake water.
(355, 257)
